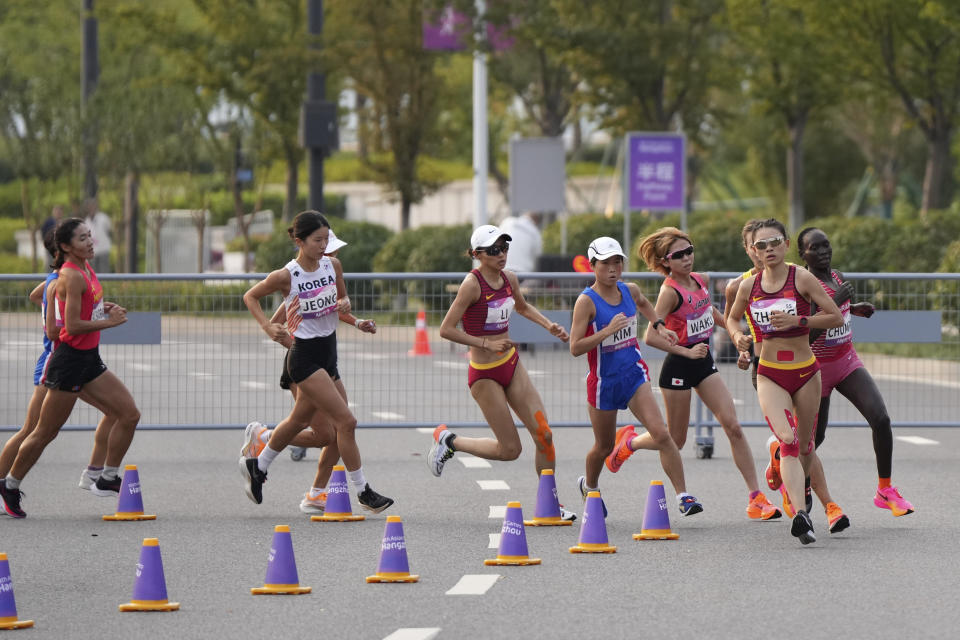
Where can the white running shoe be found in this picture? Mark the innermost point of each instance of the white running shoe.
(252, 445)
(86, 480)
(439, 451)
(314, 505)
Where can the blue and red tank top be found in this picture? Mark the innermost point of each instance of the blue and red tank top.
(621, 350)
(787, 299)
(490, 314)
(91, 309)
(836, 342)
(48, 344)
(692, 321)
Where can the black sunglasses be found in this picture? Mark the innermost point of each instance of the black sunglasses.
(496, 249)
(676, 255)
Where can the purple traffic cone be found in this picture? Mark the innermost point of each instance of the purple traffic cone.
(393, 565)
(593, 531)
(8, 605)
(338, 499)
(281, 567)
(150, 587)
(513, 540)
(130, 502)
(656, 519)
(548, 506)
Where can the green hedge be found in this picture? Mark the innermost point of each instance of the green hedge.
(364, 240)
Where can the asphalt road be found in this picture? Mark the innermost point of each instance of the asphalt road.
(726, 577)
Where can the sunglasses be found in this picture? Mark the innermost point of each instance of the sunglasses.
(771, 243)
(676, 255)
(496, 249)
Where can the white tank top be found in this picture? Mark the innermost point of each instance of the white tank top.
(312, 302)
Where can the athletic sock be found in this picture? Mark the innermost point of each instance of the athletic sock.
(681, 496)
(754, 494)
(266, 457)
(883, 483)
(110, 473)
(357, 480)
(12, 483)
(265, 436)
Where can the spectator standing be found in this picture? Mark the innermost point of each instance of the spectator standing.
(527, 243)
(101, 227)
(56, 215)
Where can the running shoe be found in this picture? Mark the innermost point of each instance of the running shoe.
(773, 467)
(802, 528)
(252, 446)
(106, 488)
(373, 501)
(11, 501)
(890, 498)
(567, 515)
(253, 479)
(582, 486)
(621, 450)
(439, 451)
(297, 453)
(689, 506)
(787, 507)
(760, 509)
(836, 519)
(313, 505)
(87, 480)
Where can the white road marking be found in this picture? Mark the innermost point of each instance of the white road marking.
(536, 373)
(425, 429)
(203, 375)
(472, 462)
(387, 415)
(498, 511)
(494, 541)
(371, 356)
(474, 584)
(493, 485)
(917, 440)
(446, 364)
(414, 633)
(139, 366)
(917, 380)
(252, 384)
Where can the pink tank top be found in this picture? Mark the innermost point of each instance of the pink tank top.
(692, 321)
(837, 342)
(91, 308)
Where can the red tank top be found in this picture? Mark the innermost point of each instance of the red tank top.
(490, 315)
(692, 321)
(787, 299)
(834, 343)
(91, 308)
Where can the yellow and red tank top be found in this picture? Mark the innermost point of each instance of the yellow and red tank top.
(787, 299)
(91, 309)
(836, 342)
(490, 314)
(692, 320)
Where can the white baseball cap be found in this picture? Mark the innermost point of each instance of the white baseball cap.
(484, 236)
(603, 248)
(334, 243)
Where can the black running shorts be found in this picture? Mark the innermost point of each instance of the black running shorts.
(309, 355)
(69, 369)
(680, 373)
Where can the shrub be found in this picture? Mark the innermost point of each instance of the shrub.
(363, 240)
(582, 229)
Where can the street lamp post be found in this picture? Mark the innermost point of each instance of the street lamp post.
(318, 117)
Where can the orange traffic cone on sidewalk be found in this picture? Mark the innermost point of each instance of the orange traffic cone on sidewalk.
(421, 344)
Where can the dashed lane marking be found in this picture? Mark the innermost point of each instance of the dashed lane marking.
(387, 415)
(253, 384)
(494, 541)
(917, 440)
(498, 511)
(493, 485)
(474, 584)
(414, 633)
(472, 462)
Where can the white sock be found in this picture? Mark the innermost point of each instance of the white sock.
(109, 473)
(266, 457)
(265, 436)
(357, 480)
(11, 482)
(314, 492)
(681, 496)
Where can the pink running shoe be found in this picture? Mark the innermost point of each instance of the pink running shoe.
(890, 498)
(621, 450)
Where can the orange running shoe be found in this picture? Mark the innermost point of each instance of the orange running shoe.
(837, 520)
(772, 471)
(760, 509)
(787, 507)
(621, 450)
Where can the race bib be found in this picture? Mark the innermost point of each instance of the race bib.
(498, 314)
(316, 303)
(97, 313)
(839, 335)
(700, 325)
(622, 339)
(760, 311)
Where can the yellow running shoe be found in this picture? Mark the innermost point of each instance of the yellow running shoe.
(760, 509)
(837, 520)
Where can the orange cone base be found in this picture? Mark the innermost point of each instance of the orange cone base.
(124, 515)
(656, 534)
(393, 577)
(593, 548)
(13, 623)
(548, 522)
(338, 517)
(150, 605)
(280, 589)
(512, 561)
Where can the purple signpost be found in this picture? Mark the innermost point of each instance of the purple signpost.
(655, 176)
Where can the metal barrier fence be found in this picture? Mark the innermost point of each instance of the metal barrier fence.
(208, 365)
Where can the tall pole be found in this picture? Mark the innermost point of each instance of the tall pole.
(316, 93)
(480, 159)
(88, 84)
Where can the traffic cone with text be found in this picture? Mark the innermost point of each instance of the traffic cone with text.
(281, 567)
(513, 540)
(393, 565)
(150, 587)
(421, 344)
(8, 605)
(547, 513)
(656, 519)
(593, 531)
(130, 502)
(338, 499)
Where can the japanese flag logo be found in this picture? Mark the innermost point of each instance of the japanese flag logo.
(676, 382)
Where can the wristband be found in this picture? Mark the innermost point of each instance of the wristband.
(658, 322)
(357, 322)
